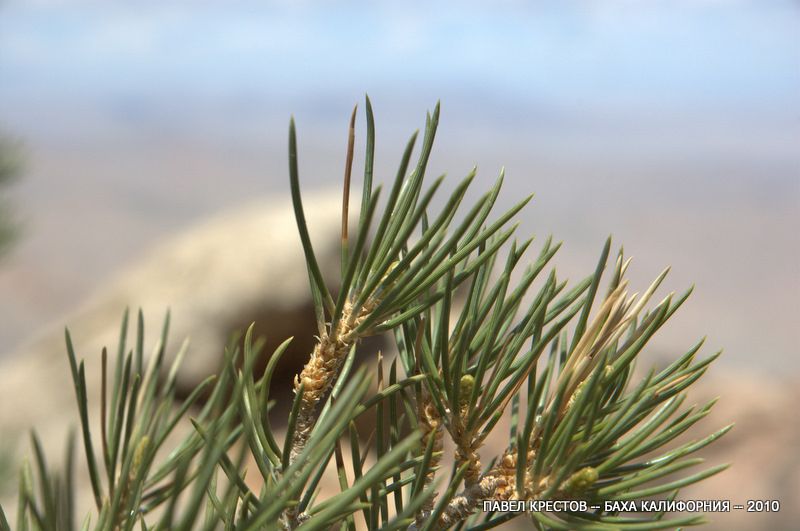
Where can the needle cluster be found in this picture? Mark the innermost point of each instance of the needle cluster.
(519, 351)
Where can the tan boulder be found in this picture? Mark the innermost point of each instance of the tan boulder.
(216, 278)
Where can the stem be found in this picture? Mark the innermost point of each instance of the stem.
(321, 370)
(464, 504)
(431, 427)
(466, 445)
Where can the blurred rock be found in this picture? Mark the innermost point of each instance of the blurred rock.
(243, 266)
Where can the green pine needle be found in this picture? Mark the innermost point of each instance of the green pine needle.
(483, 331)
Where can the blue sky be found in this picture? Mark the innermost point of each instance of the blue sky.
(623, 58)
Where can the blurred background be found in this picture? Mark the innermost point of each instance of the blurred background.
(672, 125)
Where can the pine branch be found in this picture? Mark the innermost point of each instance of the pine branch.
(558, 360)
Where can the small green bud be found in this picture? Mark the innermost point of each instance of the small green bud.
(581, 480)
(465, 387)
